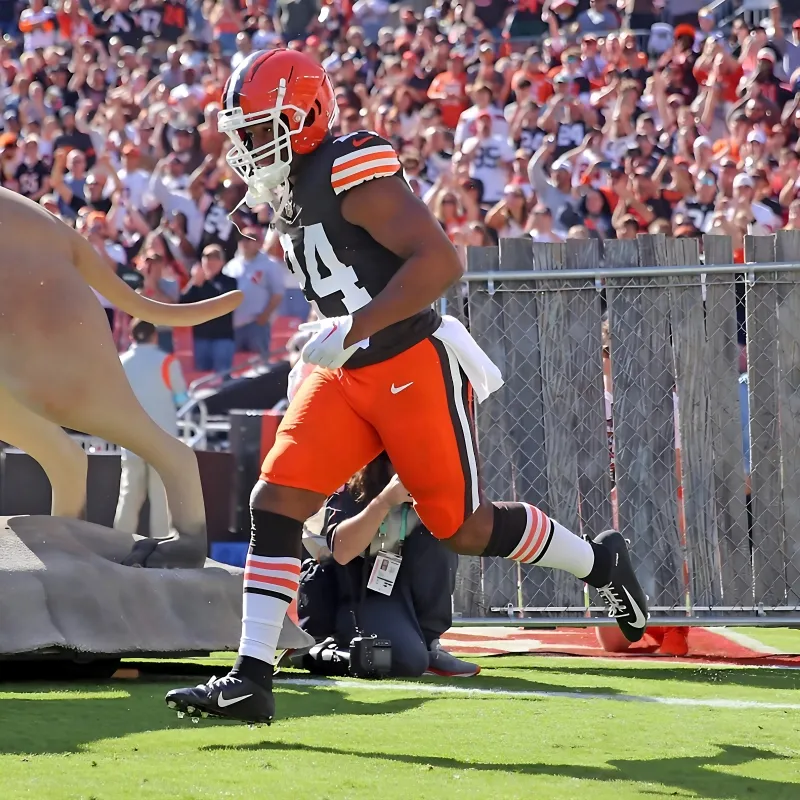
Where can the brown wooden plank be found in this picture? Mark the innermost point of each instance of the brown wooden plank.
(468, 592)
(697, 543)
(787, 248)
(641, 365)
(524, 380)
(585, 321)
(523, 375)
(765, 475)
(487, 315)
(558, 411)
(736, 572)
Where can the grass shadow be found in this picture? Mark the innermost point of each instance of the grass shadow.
(698, 774)
(755, 678)
(32, 726)
(68, 722)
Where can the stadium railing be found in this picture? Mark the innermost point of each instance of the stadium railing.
(697, 464)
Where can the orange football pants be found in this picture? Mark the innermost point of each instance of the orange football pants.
(416, 406)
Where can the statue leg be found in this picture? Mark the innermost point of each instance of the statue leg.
(75, 380)
(64, 461)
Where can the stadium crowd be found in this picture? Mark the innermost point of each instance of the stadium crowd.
(554, 119)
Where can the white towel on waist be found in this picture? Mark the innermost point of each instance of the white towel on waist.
(482, 372)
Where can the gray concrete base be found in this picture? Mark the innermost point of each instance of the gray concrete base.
(62, 586)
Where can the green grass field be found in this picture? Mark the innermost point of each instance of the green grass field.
(719, 739)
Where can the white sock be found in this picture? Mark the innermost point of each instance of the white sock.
(547, 543)
(270, 585)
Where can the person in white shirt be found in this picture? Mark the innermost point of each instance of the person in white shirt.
(763, 222)
(38, 24)
(157, 381)
(412, 168)
(163, 190)
(244, 47)
(489, 156)
(189, 87)
(540, 226)
(467, 122)
(134, 179)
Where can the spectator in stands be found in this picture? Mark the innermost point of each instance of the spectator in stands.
(214, 345)
(158, 383)
(38, 24)
(587, 107)
(72, 137)
(554, 191)
(489, 155)
(32, 176)
(508, 217)
(93, 225)
(540, 225)
(598, 18)
(261, 279)
(157, 286)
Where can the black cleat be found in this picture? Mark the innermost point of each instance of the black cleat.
(623, 594)
(230, 697)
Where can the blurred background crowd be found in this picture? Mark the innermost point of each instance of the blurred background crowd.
(554, 119)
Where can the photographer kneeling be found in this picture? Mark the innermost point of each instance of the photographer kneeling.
(374, 513)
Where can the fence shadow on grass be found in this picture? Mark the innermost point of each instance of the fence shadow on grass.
(698, 774)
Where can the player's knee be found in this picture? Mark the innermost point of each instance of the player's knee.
(298, 504)
(474, 533)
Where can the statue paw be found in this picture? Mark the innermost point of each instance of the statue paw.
(172, 552)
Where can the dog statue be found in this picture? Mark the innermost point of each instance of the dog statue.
(59, 368)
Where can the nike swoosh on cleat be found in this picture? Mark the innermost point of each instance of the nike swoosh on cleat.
(639, 619)
(222, 702)
(398, 389)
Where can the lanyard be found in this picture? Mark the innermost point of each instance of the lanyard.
(403, 525)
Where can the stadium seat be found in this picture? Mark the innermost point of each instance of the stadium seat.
(283, 328)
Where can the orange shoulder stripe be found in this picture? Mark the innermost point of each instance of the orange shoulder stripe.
(367, 173)
(356, 159)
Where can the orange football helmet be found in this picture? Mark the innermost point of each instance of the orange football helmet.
(288, 90)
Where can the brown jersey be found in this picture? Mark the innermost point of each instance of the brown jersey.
(339, 266)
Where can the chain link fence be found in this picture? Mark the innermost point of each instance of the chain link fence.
(650, 391)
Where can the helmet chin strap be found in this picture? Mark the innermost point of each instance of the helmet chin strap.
(276, 198)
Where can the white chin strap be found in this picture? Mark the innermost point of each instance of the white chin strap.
(258, 195)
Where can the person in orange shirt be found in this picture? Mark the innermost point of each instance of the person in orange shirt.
(534, 71)
(38, 24)
(717, 67)
(449, 90)
(73, 22)
(739, 127)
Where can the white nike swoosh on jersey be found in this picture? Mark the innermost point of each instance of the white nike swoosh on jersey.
(639, 620)
(398, 389)
(222, 702)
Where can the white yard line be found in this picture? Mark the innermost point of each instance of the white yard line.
(431, 688)
(746, 641)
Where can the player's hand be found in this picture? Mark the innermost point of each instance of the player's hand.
(395, 494)
(326, 347)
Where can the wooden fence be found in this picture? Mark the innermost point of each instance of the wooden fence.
(709, 536)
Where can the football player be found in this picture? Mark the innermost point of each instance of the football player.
(390, 373)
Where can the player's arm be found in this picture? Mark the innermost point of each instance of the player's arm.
(390, 212)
